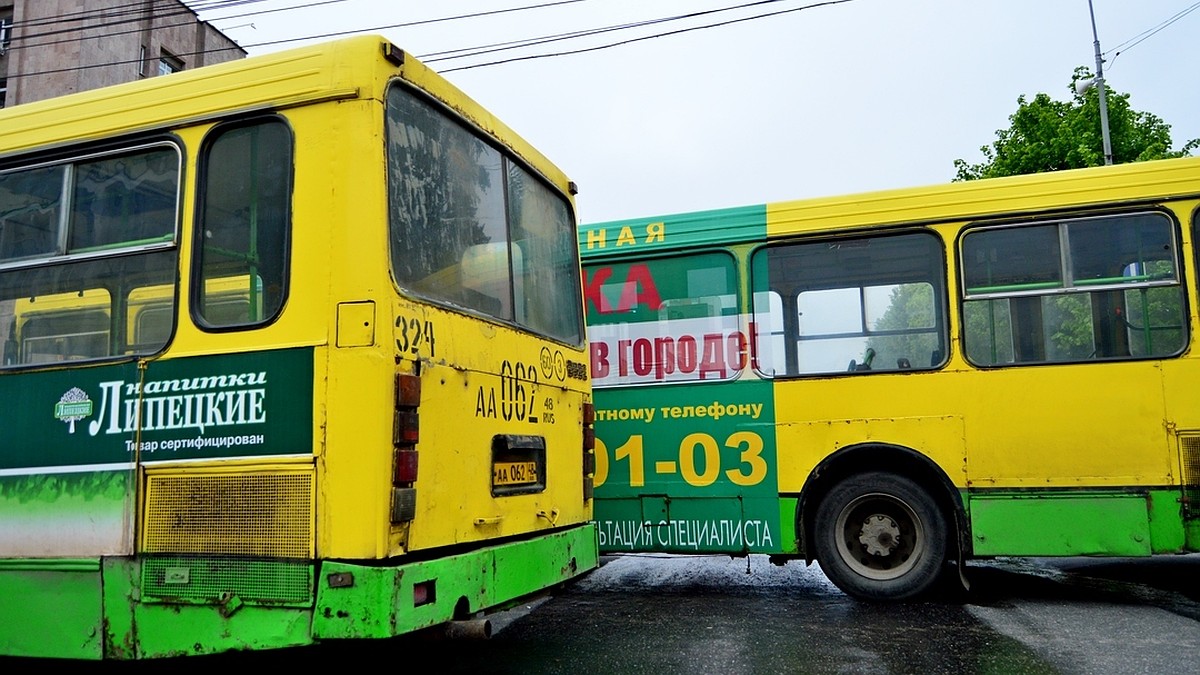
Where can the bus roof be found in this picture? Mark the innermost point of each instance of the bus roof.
(1009, 196)
(355, 67)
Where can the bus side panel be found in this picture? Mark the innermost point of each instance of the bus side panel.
(1060, 524)
(848, 412)
(687, 468)
(1056, 427)
(1078, 481)
(51, 609)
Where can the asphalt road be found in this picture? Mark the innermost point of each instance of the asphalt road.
(659, 615)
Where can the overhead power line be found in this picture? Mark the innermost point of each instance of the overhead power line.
(409, 24)
(134, 14)
(230, 2)
(642, 38)
(1146, 34)
(475, 51)
(134, 8)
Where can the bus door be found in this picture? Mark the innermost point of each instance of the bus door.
(1179, 387)
(1067, 321)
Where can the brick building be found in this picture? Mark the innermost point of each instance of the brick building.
(54, 47)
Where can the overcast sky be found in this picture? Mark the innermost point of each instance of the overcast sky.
(837, 98)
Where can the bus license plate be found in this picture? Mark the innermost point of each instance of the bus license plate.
(514, 473)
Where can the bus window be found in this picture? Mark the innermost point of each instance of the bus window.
(78, 241)
(544, 254)
(473, 229)
(242, 244)
(446, 196)
(666, 320)
(56, 336)
(852, 306)
(1154, 315)
(1096, 288)
(122, 201)
(30, 212)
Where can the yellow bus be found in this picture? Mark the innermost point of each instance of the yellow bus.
(293, 350)
(887, 382)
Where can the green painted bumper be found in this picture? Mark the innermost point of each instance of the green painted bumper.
(354, 601)
(100, 608)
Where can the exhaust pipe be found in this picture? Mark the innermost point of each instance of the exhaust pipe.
(471, 629)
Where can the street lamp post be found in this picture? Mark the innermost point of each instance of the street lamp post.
(1108, 157)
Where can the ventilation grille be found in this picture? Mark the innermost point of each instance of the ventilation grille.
(227, 580)
(1189, 464)
(262, 514)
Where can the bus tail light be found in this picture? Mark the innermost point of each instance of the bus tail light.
(589, 449)
(405, 467)
(406, 430)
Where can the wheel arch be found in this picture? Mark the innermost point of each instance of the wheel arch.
(876, 456)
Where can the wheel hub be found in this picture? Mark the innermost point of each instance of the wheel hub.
(879, 535)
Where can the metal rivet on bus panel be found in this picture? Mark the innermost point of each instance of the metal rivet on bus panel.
(341, 580)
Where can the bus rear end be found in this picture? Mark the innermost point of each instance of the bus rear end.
(293, 351)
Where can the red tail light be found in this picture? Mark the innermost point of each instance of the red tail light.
(408, 391)
(406, 428)
(589, 449)
(406, 467)
(406, 433)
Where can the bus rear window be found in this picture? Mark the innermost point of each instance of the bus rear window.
(473, 229)
(245, 217)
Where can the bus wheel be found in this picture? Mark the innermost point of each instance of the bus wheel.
(879, 536)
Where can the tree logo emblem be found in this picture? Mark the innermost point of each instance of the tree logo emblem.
(73, 407)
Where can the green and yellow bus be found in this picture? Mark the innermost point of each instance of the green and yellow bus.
(293, 351)
(887, 382)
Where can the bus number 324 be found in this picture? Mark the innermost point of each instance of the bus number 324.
(699, 460)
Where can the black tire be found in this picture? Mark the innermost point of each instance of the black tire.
(880, 536)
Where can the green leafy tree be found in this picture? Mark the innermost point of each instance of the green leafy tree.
(1049, 135)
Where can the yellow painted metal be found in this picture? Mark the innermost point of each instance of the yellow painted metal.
(455, 462)
(355, 324)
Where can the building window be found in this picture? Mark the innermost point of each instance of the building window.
(3, 93)
(6, 25)
(169, 63)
